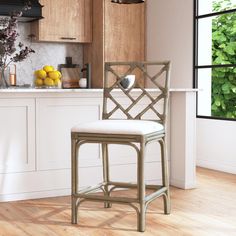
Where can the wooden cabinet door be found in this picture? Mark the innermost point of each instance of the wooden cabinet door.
(64, 21)
(118, 35)
(124, 36)
(124, 32)
(79, 24)
(50, 27)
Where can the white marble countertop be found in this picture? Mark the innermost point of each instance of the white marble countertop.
(34, 90)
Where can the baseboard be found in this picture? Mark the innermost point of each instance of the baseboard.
(35, 195)
(182, 184)
(46, 194)
(216, 165)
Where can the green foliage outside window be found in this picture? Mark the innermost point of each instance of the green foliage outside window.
(224, 52)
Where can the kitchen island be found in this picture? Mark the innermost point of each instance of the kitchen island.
(35, 142)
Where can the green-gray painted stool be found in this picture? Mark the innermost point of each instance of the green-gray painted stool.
(135, 130)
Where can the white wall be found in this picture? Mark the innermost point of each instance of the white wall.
(204, 58)
(170, 37)
(216, 148)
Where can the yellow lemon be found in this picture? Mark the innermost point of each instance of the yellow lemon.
(57, 82)
(49, 82)
(59, 73)
(48, 68)
(54, 74)
(38, 82)
(40, 74)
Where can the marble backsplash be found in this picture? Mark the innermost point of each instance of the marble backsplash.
(45, 54)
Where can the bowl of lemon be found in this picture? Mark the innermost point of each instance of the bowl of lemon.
(47, 77)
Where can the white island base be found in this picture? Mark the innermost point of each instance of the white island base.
(35, 143)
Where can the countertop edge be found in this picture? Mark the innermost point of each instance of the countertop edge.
(81, 91)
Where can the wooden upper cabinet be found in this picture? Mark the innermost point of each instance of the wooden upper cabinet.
(64, 21)
(124, 32)
(118, 35)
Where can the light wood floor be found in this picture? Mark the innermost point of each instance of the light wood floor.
(208, 210)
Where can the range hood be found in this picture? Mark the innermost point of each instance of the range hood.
(34, 13)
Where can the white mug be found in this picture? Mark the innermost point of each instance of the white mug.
(83, 83)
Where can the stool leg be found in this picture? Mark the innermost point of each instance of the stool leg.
(74, 212)
(141, 189)
(74, 180)
(165, 176)
(106, 178)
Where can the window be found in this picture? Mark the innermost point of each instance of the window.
(215, 58)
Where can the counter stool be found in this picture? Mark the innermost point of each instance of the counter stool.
(135, 130)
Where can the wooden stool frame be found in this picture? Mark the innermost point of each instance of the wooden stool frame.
(138, 142)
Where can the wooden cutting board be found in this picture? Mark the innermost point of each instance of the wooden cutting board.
(70, 77)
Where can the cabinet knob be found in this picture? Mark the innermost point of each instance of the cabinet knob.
(68, 38)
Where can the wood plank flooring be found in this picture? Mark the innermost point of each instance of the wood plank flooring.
(210, 209)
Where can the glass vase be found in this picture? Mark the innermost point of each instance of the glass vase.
(4, 77)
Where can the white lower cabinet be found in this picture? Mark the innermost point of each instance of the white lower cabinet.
(17, 135)
(55, 118)
(35, 143)
(35, 146)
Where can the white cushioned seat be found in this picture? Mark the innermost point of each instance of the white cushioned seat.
(135, 127)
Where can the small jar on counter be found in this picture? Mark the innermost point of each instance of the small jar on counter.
(83, 83)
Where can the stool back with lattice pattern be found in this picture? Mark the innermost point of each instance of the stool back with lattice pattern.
(126, 95)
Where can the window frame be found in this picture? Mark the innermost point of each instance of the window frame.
(196, 17)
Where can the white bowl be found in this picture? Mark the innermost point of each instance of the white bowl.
(128, 81)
